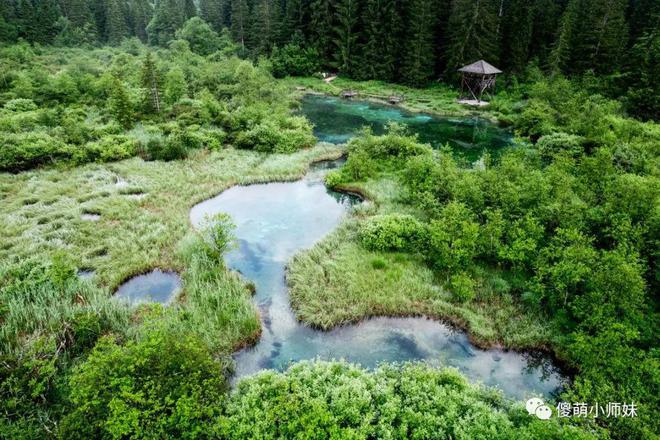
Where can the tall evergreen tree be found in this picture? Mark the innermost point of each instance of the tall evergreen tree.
(546, 20)
(240, 16)
(345, 35)
(472, 33)
(418, 60)
(189, 9)
(593, 35)
(79, 13)
(321, 28)
(140, 15)
(115, 22)
(151, 84)
(381, 35)
(516, 34)
(212, 13)
(264, 28)
(168, 17)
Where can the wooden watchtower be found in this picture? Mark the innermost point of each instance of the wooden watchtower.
(476, 79)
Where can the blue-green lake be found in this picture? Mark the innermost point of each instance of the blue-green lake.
(337, 120)
(274, 221)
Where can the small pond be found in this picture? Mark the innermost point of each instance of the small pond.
(275, 221)
(337, 120)
(155, 286)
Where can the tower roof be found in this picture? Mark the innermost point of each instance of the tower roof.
(480, 67)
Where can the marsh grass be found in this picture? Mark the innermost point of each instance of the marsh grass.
(131, 237)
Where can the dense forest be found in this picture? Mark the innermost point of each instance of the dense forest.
(411, 41)
(118, 116)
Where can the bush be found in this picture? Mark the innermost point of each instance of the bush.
(453, 238)
(23, 151)
(462, 287)
(334, 178)
(294, 59)
(109, 148)
(20, 105)
(393, 232)
(218, 236)
(337, 400)
(164, 386)
(552, 144)
(285, 135)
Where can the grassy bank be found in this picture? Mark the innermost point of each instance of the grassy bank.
(338, 282)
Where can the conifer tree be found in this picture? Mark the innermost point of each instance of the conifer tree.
(168, 17)
(115, 22)
(264, 28)
(240, 16)
(140, 15)
(212, 13)
(418, 59)
(516, 34)
(472, 33)
(79, 13)
(593, 35)
(189, 9)
(321, 28)
(381, 40)
(345, 35)
(120, 105)
(150, 82)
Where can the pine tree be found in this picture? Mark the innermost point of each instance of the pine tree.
(168, 17)
(240, 15)
(212, 13)
(140, 14)
(120, 105)
(321, 28)
(593, 35)
(472, 34)
(115, 23)
(516, 34)
(150, 82)
(546, 20)
(345, 35)
(418, 60)
(295, 17)
(381, 34)
(264, 27)
(189, 9)
(79, 13)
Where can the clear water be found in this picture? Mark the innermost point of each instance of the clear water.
(337, 120)
(155, 286)
(274, 222)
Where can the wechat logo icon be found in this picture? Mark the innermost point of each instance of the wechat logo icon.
(537, 407)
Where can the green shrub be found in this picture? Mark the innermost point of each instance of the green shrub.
(393, 232)
(337, 400)
(453, 238)
(23, 151)
(109, 148)
(163, 386)
(217, 235)
(552, 144)
(462, 287)
(294, 59)
(20, 105)
(334, 178)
